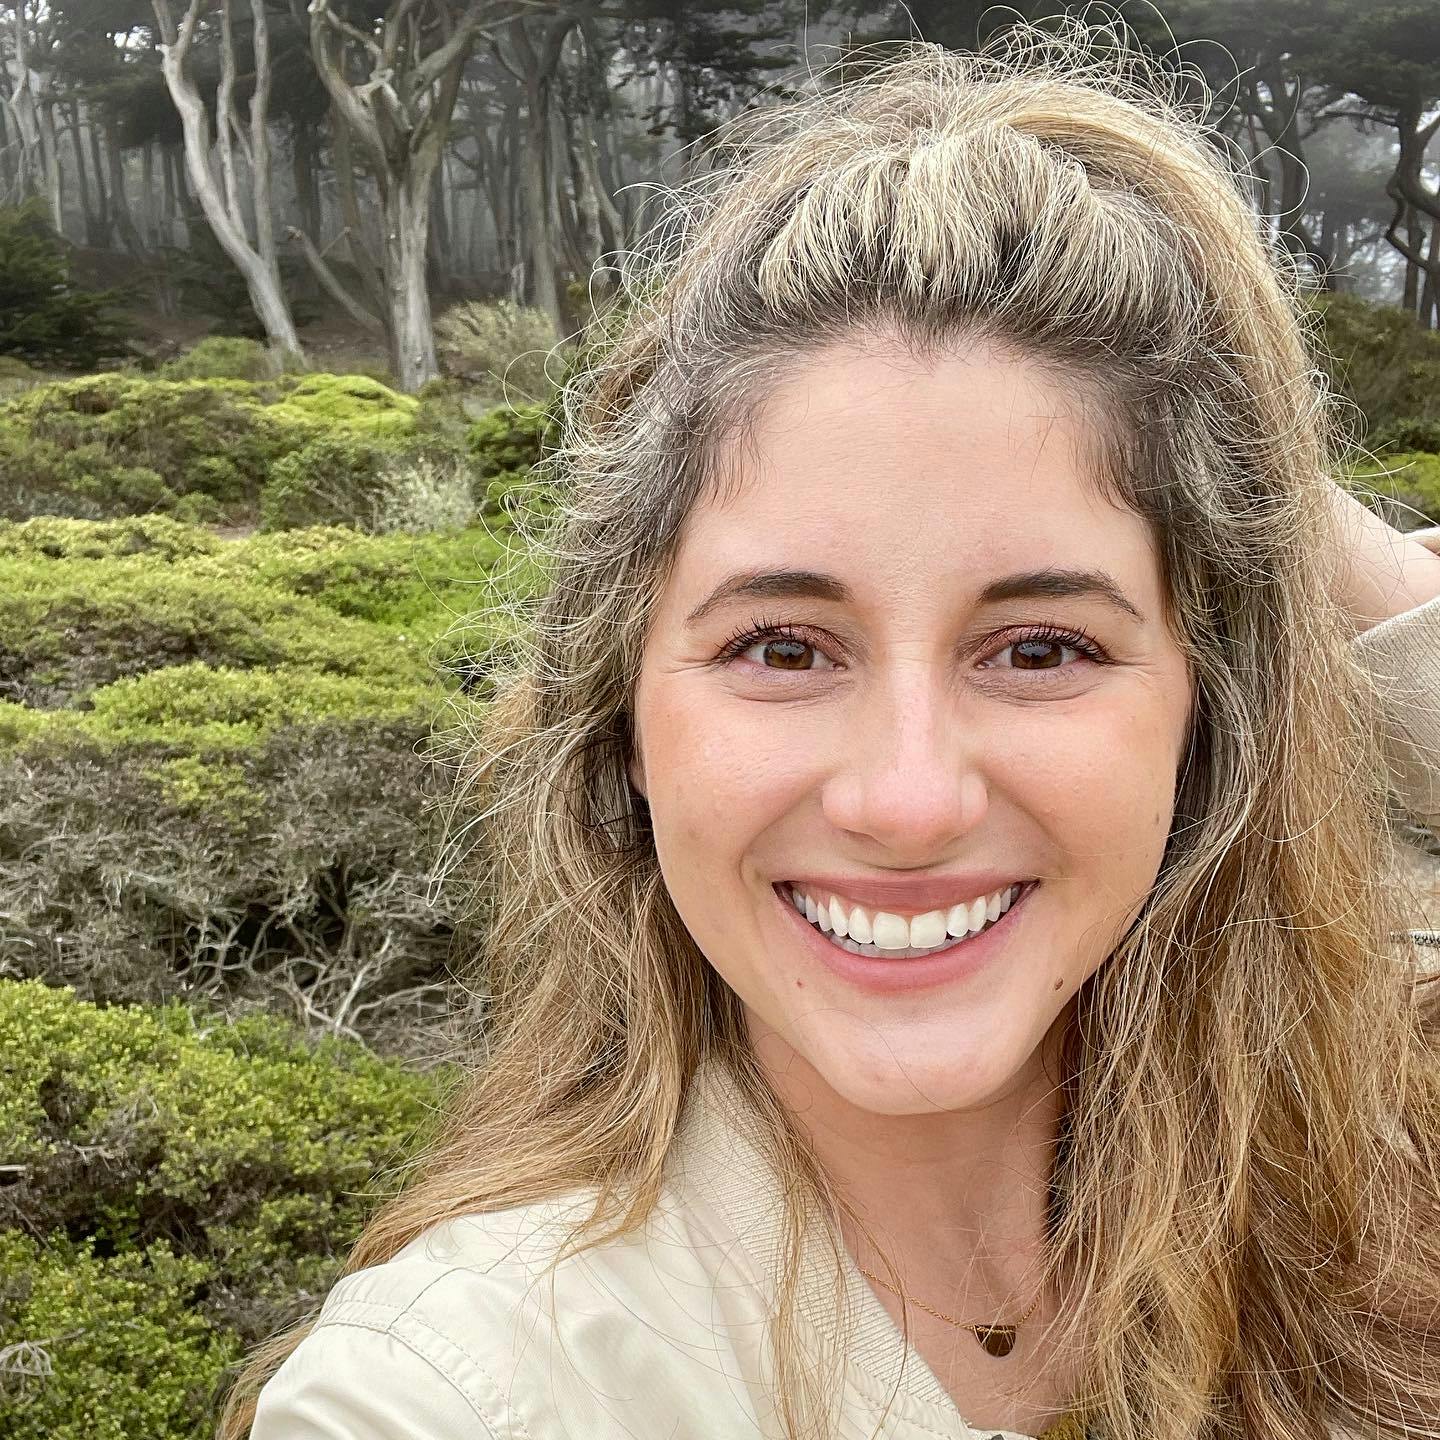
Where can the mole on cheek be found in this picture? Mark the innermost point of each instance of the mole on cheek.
(1060, 983)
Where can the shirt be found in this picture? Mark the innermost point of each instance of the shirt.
(660, 1335)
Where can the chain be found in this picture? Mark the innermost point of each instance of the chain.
(940, 1314)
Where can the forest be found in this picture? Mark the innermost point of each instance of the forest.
(290, 291)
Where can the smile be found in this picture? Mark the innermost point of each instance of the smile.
(881, 933)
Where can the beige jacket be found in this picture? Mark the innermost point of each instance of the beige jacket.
(660, 1336)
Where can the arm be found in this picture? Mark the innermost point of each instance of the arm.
(1392, 595)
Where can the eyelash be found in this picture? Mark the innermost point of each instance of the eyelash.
(760, 629)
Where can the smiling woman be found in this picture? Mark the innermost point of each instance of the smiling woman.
(945, 974)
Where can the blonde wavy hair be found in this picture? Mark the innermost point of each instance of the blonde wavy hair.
(1056, 195)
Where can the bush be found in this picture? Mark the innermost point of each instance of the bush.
(1380, 357)
(336, 479)
(196, 1184)
(105, 1347)
(502, 345)
(223, 357)
(353, 403)
(225, 798)
(67, 631)
(504, 446)
(1408, 435)
(201, 450)
(43, 317)
(118, 444)
(1407, 487)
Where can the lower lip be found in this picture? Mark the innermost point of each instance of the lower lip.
(892, 977)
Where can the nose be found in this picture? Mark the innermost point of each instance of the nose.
(912, 779)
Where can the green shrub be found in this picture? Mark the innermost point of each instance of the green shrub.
(223, 357)
(106, 1347)
(68, 630)
(204, 450)
(336, 479)
(117, 444)
(504, 447)
(1380, 357)
(1408, 435)
(198, 1184)
(1407, 487)
(44, 318)
(502, 345)
(158, 536)
(354, 403)
(227, 796)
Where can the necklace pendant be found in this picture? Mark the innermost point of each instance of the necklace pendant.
(998, 1340)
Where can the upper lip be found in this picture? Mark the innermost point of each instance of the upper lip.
(917, 893)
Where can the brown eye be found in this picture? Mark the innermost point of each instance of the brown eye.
(1026, 658)
(775, 649)
(787, 654)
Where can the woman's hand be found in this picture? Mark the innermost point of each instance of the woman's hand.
(1384, 572)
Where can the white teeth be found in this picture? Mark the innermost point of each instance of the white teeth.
(857, 930)
(890, 932)
(927, 929)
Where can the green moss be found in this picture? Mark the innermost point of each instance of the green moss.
(351, 402)
(1408, 485)
(193, 1178)
(69, 628)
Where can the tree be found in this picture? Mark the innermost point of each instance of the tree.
(43, 317)
(393, 73)
(223, 202)
(1386, 57)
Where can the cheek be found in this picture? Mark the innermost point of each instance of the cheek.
(1100, 779)
(718, 770)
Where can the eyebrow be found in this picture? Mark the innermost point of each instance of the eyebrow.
(1053, 582)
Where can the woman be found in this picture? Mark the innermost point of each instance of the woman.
(945, 978)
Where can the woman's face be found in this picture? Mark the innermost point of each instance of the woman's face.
(912, 660)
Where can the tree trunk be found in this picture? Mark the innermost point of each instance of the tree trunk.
(82, 174)
(407, 230)
(119, 201)
(102, 194)
(257, 264)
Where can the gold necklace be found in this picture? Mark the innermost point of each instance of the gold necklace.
(997, 1340)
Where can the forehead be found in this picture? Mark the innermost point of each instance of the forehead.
(909, 474)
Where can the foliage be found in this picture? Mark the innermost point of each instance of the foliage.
(1407, 487)
(505, 445)
(1407, 434)
(225, 796)
(106, 1346)
(354, 403)
(222, 357)
(501, 343)
(196, 1183)
(203, 449)
(1380, 358)
(44, 318)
